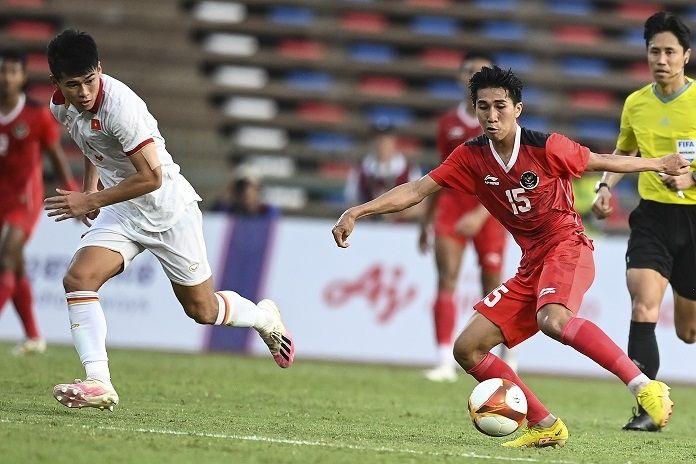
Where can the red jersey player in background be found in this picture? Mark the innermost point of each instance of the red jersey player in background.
(532, 197)
(459, 218)
(26, 129)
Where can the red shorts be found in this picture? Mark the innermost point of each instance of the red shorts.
(24, 214)
(562, 275)
(489, 243)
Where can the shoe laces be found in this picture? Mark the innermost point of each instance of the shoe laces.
(634, 413)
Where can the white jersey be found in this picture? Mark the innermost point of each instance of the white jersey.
(117, 126)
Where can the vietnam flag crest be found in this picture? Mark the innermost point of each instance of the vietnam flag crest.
(95, 125)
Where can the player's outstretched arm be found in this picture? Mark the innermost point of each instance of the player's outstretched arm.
(397, 199)
(674, 164)
(601, 206)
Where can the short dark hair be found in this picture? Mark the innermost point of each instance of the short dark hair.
(495, 77)
(15, 55)
(72, 53)
(664, 21)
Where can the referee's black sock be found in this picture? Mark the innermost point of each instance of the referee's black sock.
(642, 347)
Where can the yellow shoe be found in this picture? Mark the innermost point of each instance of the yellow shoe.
(654, 399)
(538, 437)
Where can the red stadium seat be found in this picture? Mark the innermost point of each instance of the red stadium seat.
(638, 11)
(37, 62)
(640, 71)
(24, 3)
(27, 29)
(334, 169)
(321, 112)
(577, 34)
(364, 21)
(41, 93)
(301, 49)
(592, 99)
(385, 86)
(442, 58)
(435, 4)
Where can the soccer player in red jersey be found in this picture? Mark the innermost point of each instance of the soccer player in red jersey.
(459, 218)
(26, 129)
(523, 178)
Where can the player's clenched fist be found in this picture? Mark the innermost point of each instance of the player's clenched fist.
(344, 226)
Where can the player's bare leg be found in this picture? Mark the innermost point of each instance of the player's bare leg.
(448, 259)
(90, 268)
(646, 288)
(206, 306)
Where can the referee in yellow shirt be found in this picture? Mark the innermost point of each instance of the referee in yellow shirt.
(657, 120)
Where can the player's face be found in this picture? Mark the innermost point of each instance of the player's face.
(81, 91)
(12, 78)
(666, 57)
(496, 113)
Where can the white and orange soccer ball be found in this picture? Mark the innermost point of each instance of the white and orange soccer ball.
(497, 407)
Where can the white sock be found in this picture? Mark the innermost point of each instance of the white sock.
(446, 356)
(88, 330)
(236, 311)
(638, 383)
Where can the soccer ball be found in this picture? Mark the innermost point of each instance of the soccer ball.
(497, 407)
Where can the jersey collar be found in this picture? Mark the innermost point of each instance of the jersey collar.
(9, 117)
(515, 151)
(100, 97)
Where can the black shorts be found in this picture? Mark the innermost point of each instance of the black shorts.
(663, 238)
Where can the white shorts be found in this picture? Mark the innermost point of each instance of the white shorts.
(180, 249)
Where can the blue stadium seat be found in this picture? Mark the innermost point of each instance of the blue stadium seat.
(634, 37)
(372, 52)
(519, 62)
(435, 25)
(329, 141)
(597, 129)
(584, 66)
(504, 30)
(537, 123)
(533, 95)
(293, 15)
(309, 80)
(496, 4)
(571, 7)
(394, 115)
(444, 88)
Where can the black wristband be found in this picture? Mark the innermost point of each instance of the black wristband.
(600, 185)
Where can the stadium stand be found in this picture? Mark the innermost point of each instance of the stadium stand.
(294, 84)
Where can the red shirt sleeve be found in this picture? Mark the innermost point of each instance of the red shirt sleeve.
(454, 172)
(565, 157)
(50, 133)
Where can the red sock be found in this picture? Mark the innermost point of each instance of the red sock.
(7, 286)
(591, 341)
(445, 313)
(491, 367)
(24, 304)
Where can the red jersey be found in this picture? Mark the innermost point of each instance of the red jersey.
(454, 128)
(532, 195)
(24, 132)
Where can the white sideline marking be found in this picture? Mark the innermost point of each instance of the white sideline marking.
(287, 441)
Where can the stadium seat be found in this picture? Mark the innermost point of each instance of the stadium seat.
(37, 62)
(637, 11)
(251, 108)
(371, 52)
(285, 196)
(434, 4)
(410, 146)
(394, 115)
(441, 57)
(364, 21)
(448, 89)
(584, 66)
(570, 7)
(240, 76)
(231, 44)
(309, 80)
(507, 5)
(329, 142)
(435, 25)
(334, 169)
(537, 123)
(259, 137)
(503, 30)
(25, 3)
(634, 36)
(30, 29)
(640, 71)
(213, 11)
(533, 95)
(40, 92)
(321, 112)
(597, 99)
(304, 49)
(519, 62)
(290, 15)
(574, 34)
(382, 86)
(597, 129)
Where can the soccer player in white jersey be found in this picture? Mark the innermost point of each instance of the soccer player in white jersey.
(145, 204)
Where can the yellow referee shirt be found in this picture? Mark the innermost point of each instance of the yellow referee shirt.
(658, 126)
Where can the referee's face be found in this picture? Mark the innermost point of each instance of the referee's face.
(666, 58)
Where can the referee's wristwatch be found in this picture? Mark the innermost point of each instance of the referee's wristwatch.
(601, 184)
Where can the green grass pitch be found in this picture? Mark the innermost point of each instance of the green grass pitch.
(181, 408)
